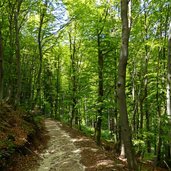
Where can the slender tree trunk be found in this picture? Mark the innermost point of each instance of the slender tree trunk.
(141, 118)
(74, 111)
(159, 145)
(1, 66)
(85, 110)
(17, 98)
(146, 101)
(58, 87)
(169, 87)
(17, 52)
(40, 59)
(147, 114)
(12, 80)
(32, 82)
(141, 100)
(161, 53)
(39, 39)
(125, 129)
(116, 118)
(135, 121)
(100, 93)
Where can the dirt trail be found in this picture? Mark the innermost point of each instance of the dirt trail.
(61, 153)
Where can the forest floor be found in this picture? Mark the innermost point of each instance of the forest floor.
(66, 149)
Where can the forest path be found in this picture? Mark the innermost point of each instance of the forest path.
(61, 154)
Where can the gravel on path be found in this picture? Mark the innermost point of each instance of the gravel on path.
(61, 154)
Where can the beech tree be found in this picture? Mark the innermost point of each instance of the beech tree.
(43, 9)
(17, 27)
(125, 129)
(169, 86)
(74, 75)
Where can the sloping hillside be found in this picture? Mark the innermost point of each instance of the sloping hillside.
(17, 131)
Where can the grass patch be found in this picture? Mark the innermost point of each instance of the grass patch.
(89, 131)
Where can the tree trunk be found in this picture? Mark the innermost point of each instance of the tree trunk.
(100, 93)
(74, 111)
(17, 53)
(161, 53)
(115, 117)
(125, 129)
(169, 87)
(39, 39)
(147, 115)
(11, 87)
(58, 87)
(135, 121)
